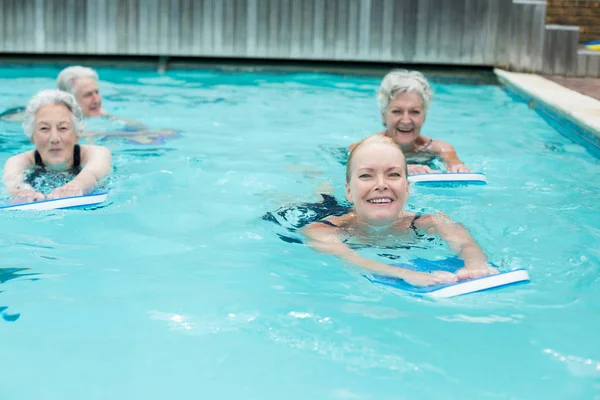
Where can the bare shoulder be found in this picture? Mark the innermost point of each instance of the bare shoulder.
(89, 149)
(343, 221)
(332, 223)
(433, 219)
(95, 155)
(425, 221)
(439, 146)
(27, 157)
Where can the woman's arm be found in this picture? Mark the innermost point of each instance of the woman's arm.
(14, 178)
(96, 161)
(460, 241)
(325, 238)
(447, 153)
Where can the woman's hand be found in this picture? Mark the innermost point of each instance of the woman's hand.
(427, 279)
(69, 190)
(27, 196)
(472, 272)
(458, 168)
(418, 169)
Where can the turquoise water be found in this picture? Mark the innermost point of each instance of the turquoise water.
(178, 289)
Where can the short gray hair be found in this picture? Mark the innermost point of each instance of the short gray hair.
(67, 77)
(403, 81)
(52, 97)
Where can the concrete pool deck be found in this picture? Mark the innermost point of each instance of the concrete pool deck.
(587, 86)
(581, 110)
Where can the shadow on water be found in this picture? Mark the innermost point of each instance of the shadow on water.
(339, 154)
(7, 274)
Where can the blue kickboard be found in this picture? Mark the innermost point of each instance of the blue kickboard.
(89, 200)
(453, 264)
(448, 179)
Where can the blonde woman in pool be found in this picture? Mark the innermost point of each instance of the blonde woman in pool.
(404, 98)
(377, 187)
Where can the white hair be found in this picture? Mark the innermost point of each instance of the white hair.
(67, 76)
(52, 97)
(403, 81)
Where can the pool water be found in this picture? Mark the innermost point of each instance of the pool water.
(177, 288)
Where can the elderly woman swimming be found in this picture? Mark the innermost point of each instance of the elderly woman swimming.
(404, 98)
(377, 187)
(54, 122)
(82, 82)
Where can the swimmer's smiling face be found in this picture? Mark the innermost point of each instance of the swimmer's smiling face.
(404, 117)
(88, 96)
(377, 183)
(54, 135)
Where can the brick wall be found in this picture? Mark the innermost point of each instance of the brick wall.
(582, 13)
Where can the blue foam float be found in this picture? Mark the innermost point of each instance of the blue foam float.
(503, 279)
(65, 203)
(445, 178)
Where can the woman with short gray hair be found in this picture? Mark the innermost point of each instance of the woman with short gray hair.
(404, 98)
(82, 82)
(54, 122)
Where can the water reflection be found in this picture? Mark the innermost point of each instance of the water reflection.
(7, 274)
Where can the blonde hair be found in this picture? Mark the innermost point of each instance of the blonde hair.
(374, 139)
(403, 81)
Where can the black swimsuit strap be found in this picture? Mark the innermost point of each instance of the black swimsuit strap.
(412, 224)
(76, 158)
(324, 221)
(38, 159)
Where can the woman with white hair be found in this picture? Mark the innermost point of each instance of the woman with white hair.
(82, 82)
(404, 98)
(54, 122)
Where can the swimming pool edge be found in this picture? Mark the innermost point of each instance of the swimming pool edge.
(573, 114)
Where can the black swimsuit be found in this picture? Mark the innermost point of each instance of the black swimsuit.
(40, 168)
(307, 213)
(412, 224)
(76, 159)
(413, 227)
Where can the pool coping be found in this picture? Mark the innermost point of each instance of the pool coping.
(573, 114)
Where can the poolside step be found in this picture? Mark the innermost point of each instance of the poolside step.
(588, 63)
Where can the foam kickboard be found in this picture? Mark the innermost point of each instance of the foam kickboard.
(441, 178)
(87, 200)
(504, 278)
